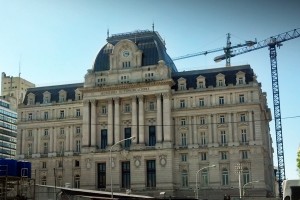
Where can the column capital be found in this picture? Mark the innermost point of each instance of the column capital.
(158, 95)
(86, 102)
(141, 97)
(93, 101)
(133, 99)
(166, 95)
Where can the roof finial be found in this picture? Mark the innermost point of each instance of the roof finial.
(107, 33)
(153, 26)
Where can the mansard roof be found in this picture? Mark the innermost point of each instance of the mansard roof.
(149, 42)
(54, 91)
(210, 76)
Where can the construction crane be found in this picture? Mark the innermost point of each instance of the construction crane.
(272, 43)
(226, 49)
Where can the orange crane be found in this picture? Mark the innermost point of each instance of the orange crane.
(272, 43)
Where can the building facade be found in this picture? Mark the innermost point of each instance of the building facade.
(183, 124)
(14, 87)
(8, 130)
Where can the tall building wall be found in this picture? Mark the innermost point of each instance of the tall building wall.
(182, 122)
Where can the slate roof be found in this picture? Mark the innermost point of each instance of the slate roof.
(149, 42)
(210, 76)
(54, 90)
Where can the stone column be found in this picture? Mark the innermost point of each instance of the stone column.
(54, 141)
(195, 132)
(251, 125)
(51, 134)
(86, 124)
(235, 129)
(230, 124)
(134, 120)
(141, 120)
(158, 119)
(71, 138)
(34, 148)
(110, 122)
(117, 120)
(190, 132)
(68, 130)
(38, 133)
(215, 134)
(167, 117)
(93, 122)
(22, 141)
(210, 129)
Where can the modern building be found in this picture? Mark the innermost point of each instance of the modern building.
(8, 130)
(15, 87)
(183, 124)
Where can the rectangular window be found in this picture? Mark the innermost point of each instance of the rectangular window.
(200, 84)
(77, 147)
(204, 175)
(222, 119)
(151, 105)
(225, 178)
(242, 98)
(127, 108)
(62, 114)
(126, 174)
(127, 135)
(62, 131)
(203, 156)
(101, 175)
(45, 147)
(241, 80)
(29, 151)
(103, 110)
(61, 147)
(182, 86)
(243, 117)
(244, 154)
(223, 138)
(103, 139)
(224, 155)
(44, 165)
(77, 163)
(202, 138)
(29, 116)
(151, 173)
(183, 139)
(77, 181)
(182, 103)
(46, 132)
(78, 130)
(45, 115)
(220, 82)
(202, 120)
(244, 136)
(201, 102)
(29, 133)
(184, 179)
(221, 100)
(182, 122)
(184, 157)
(77, 112)
(152, 136)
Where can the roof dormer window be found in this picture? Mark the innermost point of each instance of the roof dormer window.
(181, 84)
(31, 99)
(240, 78)
(46, 97)
(201, 82)
(78, 94)
(220, 80)
(62, 96)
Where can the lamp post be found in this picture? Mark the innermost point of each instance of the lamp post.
(248, 184)
(111, 187)
(239, 169)
(197, 178)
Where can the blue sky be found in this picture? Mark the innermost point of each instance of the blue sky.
(56, 42)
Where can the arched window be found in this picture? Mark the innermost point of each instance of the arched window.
(77, 181)
(225, 176)
(44, 180)
(184, 179)
(204, 177)
(246, 175)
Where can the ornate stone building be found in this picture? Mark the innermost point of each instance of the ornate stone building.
(182, 122)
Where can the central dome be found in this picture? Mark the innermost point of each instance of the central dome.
(149, 42)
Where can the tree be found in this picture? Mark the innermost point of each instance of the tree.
(298, 161)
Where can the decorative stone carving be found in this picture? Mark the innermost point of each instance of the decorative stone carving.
(125, 154)
(163, 160)
(88, 163)
(137, 161)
